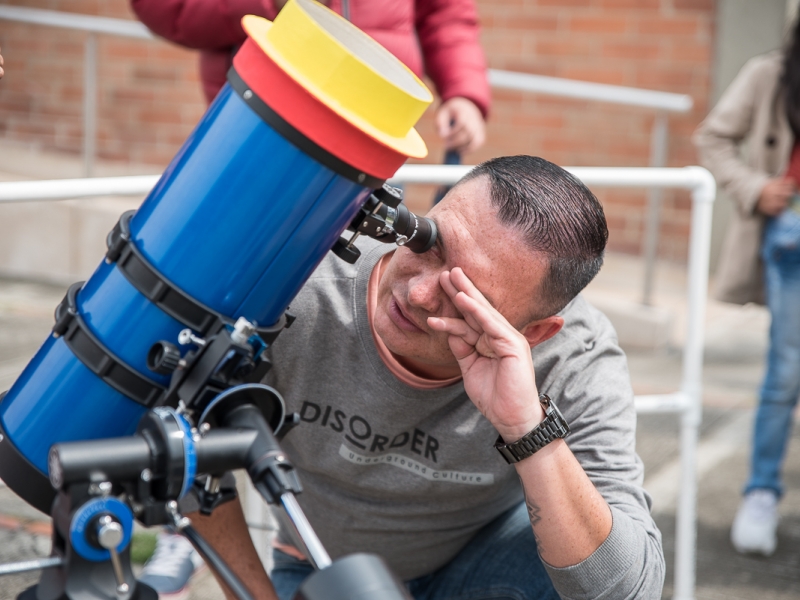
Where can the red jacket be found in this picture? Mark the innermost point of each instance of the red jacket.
(441, 33)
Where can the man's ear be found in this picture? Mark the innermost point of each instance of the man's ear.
(542, 330)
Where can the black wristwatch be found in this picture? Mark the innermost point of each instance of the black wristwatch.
(553, 427)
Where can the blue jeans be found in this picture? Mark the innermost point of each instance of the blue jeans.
(781, 387)
(499, 563)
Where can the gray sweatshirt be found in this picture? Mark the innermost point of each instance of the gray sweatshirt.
(412, 474)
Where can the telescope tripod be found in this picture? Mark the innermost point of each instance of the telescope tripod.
(103, 485)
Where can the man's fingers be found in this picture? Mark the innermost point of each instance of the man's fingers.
(466, 354)
(453, 291)
(476, 310)
(489, 322)
(464, 284)
(482, 331)
(456, 281)
(462, 339)
(447, 285)
(457, 327)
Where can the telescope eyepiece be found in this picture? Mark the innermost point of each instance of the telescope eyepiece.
(416, 233)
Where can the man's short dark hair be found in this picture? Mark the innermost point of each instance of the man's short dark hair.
(557, 216)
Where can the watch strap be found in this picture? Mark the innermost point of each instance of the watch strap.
(552, 427)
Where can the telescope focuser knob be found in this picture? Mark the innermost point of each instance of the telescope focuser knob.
(344, 250)
(389, 195)
(163, 358)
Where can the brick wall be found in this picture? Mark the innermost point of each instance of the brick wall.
(150, 96)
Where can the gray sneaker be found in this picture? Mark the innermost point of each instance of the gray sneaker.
(755, 527)
(171, 567)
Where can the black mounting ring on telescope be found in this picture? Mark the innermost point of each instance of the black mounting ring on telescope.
(152, 284)
(22, 476)
(99, 359)
(308, 146)
(159, 290)
(165, 294)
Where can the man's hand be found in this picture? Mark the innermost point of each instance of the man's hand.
(495, 359)
(1, 64)
(460, 124)
(775, 196)
(570, 518)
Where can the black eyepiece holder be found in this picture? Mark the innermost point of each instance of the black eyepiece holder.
(385, 218)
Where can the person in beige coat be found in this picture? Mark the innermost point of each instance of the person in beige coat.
(748, 142)
(748, 117)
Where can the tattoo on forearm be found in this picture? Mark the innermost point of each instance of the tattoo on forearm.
(535, 516)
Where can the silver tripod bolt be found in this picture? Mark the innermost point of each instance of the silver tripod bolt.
(109, 536)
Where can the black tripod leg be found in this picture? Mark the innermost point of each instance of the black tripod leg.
(215, 560)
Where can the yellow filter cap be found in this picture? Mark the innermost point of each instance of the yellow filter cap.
(347, 70)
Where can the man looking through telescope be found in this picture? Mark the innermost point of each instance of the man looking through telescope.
(404, 369)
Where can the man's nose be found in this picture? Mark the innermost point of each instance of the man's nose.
(425, 292)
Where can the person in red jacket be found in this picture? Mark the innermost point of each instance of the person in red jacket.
(434, 37)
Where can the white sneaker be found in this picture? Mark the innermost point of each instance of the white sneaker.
(756, 522)
(171, 567)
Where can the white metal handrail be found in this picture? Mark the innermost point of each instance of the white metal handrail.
(587, 90)
(133, 185)
(66, 189)
(81, 22)
(687, 402)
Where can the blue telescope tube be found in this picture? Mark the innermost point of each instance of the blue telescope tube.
(239, 220)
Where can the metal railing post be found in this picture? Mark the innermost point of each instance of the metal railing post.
(697, 292)
(89, 104)
(659, 140)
